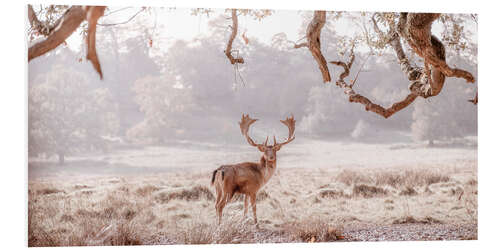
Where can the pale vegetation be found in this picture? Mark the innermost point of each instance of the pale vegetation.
(296, 205)
(141, 128)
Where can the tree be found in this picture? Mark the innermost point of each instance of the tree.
(165, 103)
(66, 115)
(446, 117)
(404, 33)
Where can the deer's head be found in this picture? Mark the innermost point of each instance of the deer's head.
(268, 150)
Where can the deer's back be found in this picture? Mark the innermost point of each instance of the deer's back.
(242, 177)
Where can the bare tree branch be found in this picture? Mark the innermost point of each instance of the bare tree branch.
(300, 45)
(416, 29)
(231, 39)
(393, 39)
(424, 82)
(124, 22)
(474, 100)
(115, 11)
(369, 105)
(314, 44)
(65, 26)
(35, 23)
(93, 14)
(42, 28)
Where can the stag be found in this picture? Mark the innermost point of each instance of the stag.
(248, 177)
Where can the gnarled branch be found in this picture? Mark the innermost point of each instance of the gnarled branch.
(369, 105)
(425, 82)
(414, 75)
(474, 100)
(300, 45)
(93, 14)
(35, 24)
(314, 44)
(416, 29)
(65, 26)
(229, 46)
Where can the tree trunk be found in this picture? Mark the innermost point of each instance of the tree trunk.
(431, 143)
(61, 158)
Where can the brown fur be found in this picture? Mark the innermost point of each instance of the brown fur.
(248, 177)
(245, 178)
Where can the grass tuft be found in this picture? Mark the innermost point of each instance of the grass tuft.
(367, 191)
(315, 230)
(196, 193)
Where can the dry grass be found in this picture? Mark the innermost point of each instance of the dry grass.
(394, 178)
(297, 205)
(195, 193)
(411, 219)
(367, 191)
(315, 230)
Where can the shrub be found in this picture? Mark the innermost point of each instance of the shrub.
(349, 177)
(315, 230)
(367, 191)
(195, 193)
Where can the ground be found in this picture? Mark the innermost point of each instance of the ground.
(112, 199)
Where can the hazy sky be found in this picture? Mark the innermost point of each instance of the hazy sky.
(169, 24)
(173, 24)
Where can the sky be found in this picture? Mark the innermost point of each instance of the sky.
(168, 20)
(170, 24)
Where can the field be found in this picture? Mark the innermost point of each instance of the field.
(322, 191)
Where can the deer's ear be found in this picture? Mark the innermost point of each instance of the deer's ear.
(277, 147)
(261, 148)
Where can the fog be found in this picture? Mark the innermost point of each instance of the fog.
(189, 95)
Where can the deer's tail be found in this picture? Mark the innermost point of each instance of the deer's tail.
(215, 172)
(213, 176)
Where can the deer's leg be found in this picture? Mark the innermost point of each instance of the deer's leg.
(246, 206)
(219, 196)
(218, 200)
(254, 207)
(220, 206)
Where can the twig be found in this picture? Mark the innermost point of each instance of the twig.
(124, 22)
(112, 12)
(231, 39)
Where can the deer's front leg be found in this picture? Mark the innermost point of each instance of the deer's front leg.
(246, 206)
(253, 201)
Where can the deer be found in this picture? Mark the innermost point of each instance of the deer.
(247, 178)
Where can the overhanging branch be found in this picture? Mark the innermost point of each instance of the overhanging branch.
(63, 28)
(93, 14)
(416, 29)
(56, 35)
(369, 105)
(314, 43)
(229, 46)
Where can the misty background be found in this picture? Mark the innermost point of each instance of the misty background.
(189, 97)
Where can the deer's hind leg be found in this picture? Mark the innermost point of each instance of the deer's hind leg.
(246, 206)
(219, 196)
(220, 206)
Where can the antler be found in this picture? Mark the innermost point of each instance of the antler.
(290, 123)
(245, 123)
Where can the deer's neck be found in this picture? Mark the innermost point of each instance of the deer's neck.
(268, 168)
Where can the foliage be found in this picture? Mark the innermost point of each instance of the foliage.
(446, 116)
(66, 115)
(162, 94)
(165, 104)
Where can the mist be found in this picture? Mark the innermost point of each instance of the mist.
(152, 152)
(189, 93)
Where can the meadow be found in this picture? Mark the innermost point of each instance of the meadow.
(102, 200)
